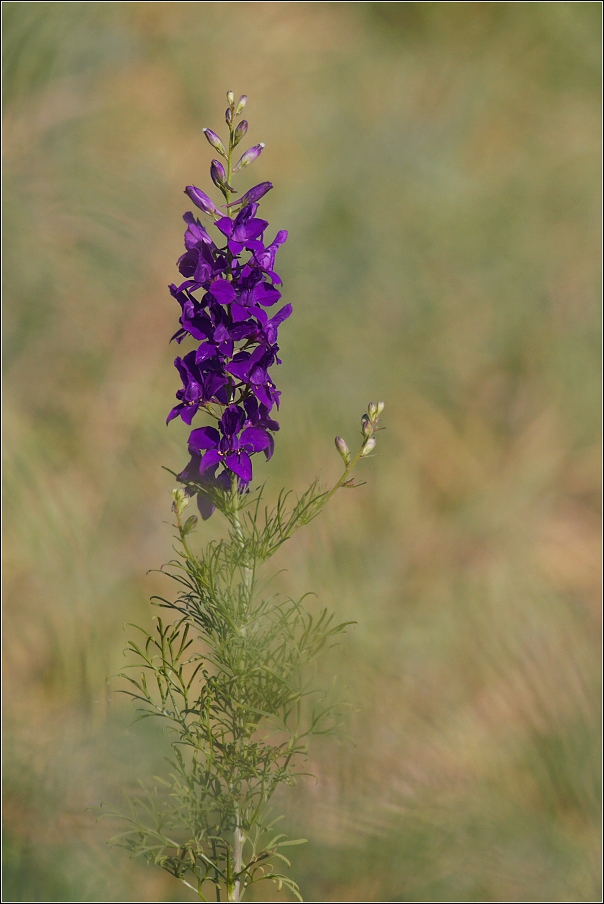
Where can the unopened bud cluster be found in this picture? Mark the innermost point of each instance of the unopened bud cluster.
(369, 426)
(219, 175)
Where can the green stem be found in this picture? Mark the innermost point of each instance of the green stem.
(238, 842)
(248, 580)
(349, 468)
(183, 537)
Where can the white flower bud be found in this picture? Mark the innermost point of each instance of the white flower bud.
(230, 98)
(343, 449)
(368, 447)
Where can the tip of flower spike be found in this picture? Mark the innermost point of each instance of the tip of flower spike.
(370, 420)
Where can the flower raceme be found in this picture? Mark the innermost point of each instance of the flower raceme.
(229, 287)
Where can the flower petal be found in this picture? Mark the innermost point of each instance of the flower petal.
(225, 224)
(205, 506)
(240, 464)
(223, 291)
(204, 438)
(210, 459)
(256, 437)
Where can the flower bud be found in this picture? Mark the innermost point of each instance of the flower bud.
(201, 200)
(255, 193)
(372, 410)
(368, 446)
(380, 408)
(343, 449)
(215, 141)
(366, 426)
(228, 115)
(241, 104)
(249, 156)
(230, 98)
(240, 132)
(218, 173)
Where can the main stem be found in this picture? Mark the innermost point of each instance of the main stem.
(239, 837)
(234, 887)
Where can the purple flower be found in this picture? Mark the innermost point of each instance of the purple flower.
(226, 447)
(267, 332)
(204, 486)
(202, 382)
(265, 258)
(252, 370)
(195, 233)
(202, 320)
(197, 264)
(243, 230)
(254, 294)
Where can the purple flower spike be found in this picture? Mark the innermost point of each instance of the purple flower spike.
(200, 198)
(226, 301)
(248, 157)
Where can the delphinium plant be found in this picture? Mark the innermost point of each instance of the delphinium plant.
(229, 671)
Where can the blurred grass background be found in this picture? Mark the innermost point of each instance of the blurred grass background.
(437, 165)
